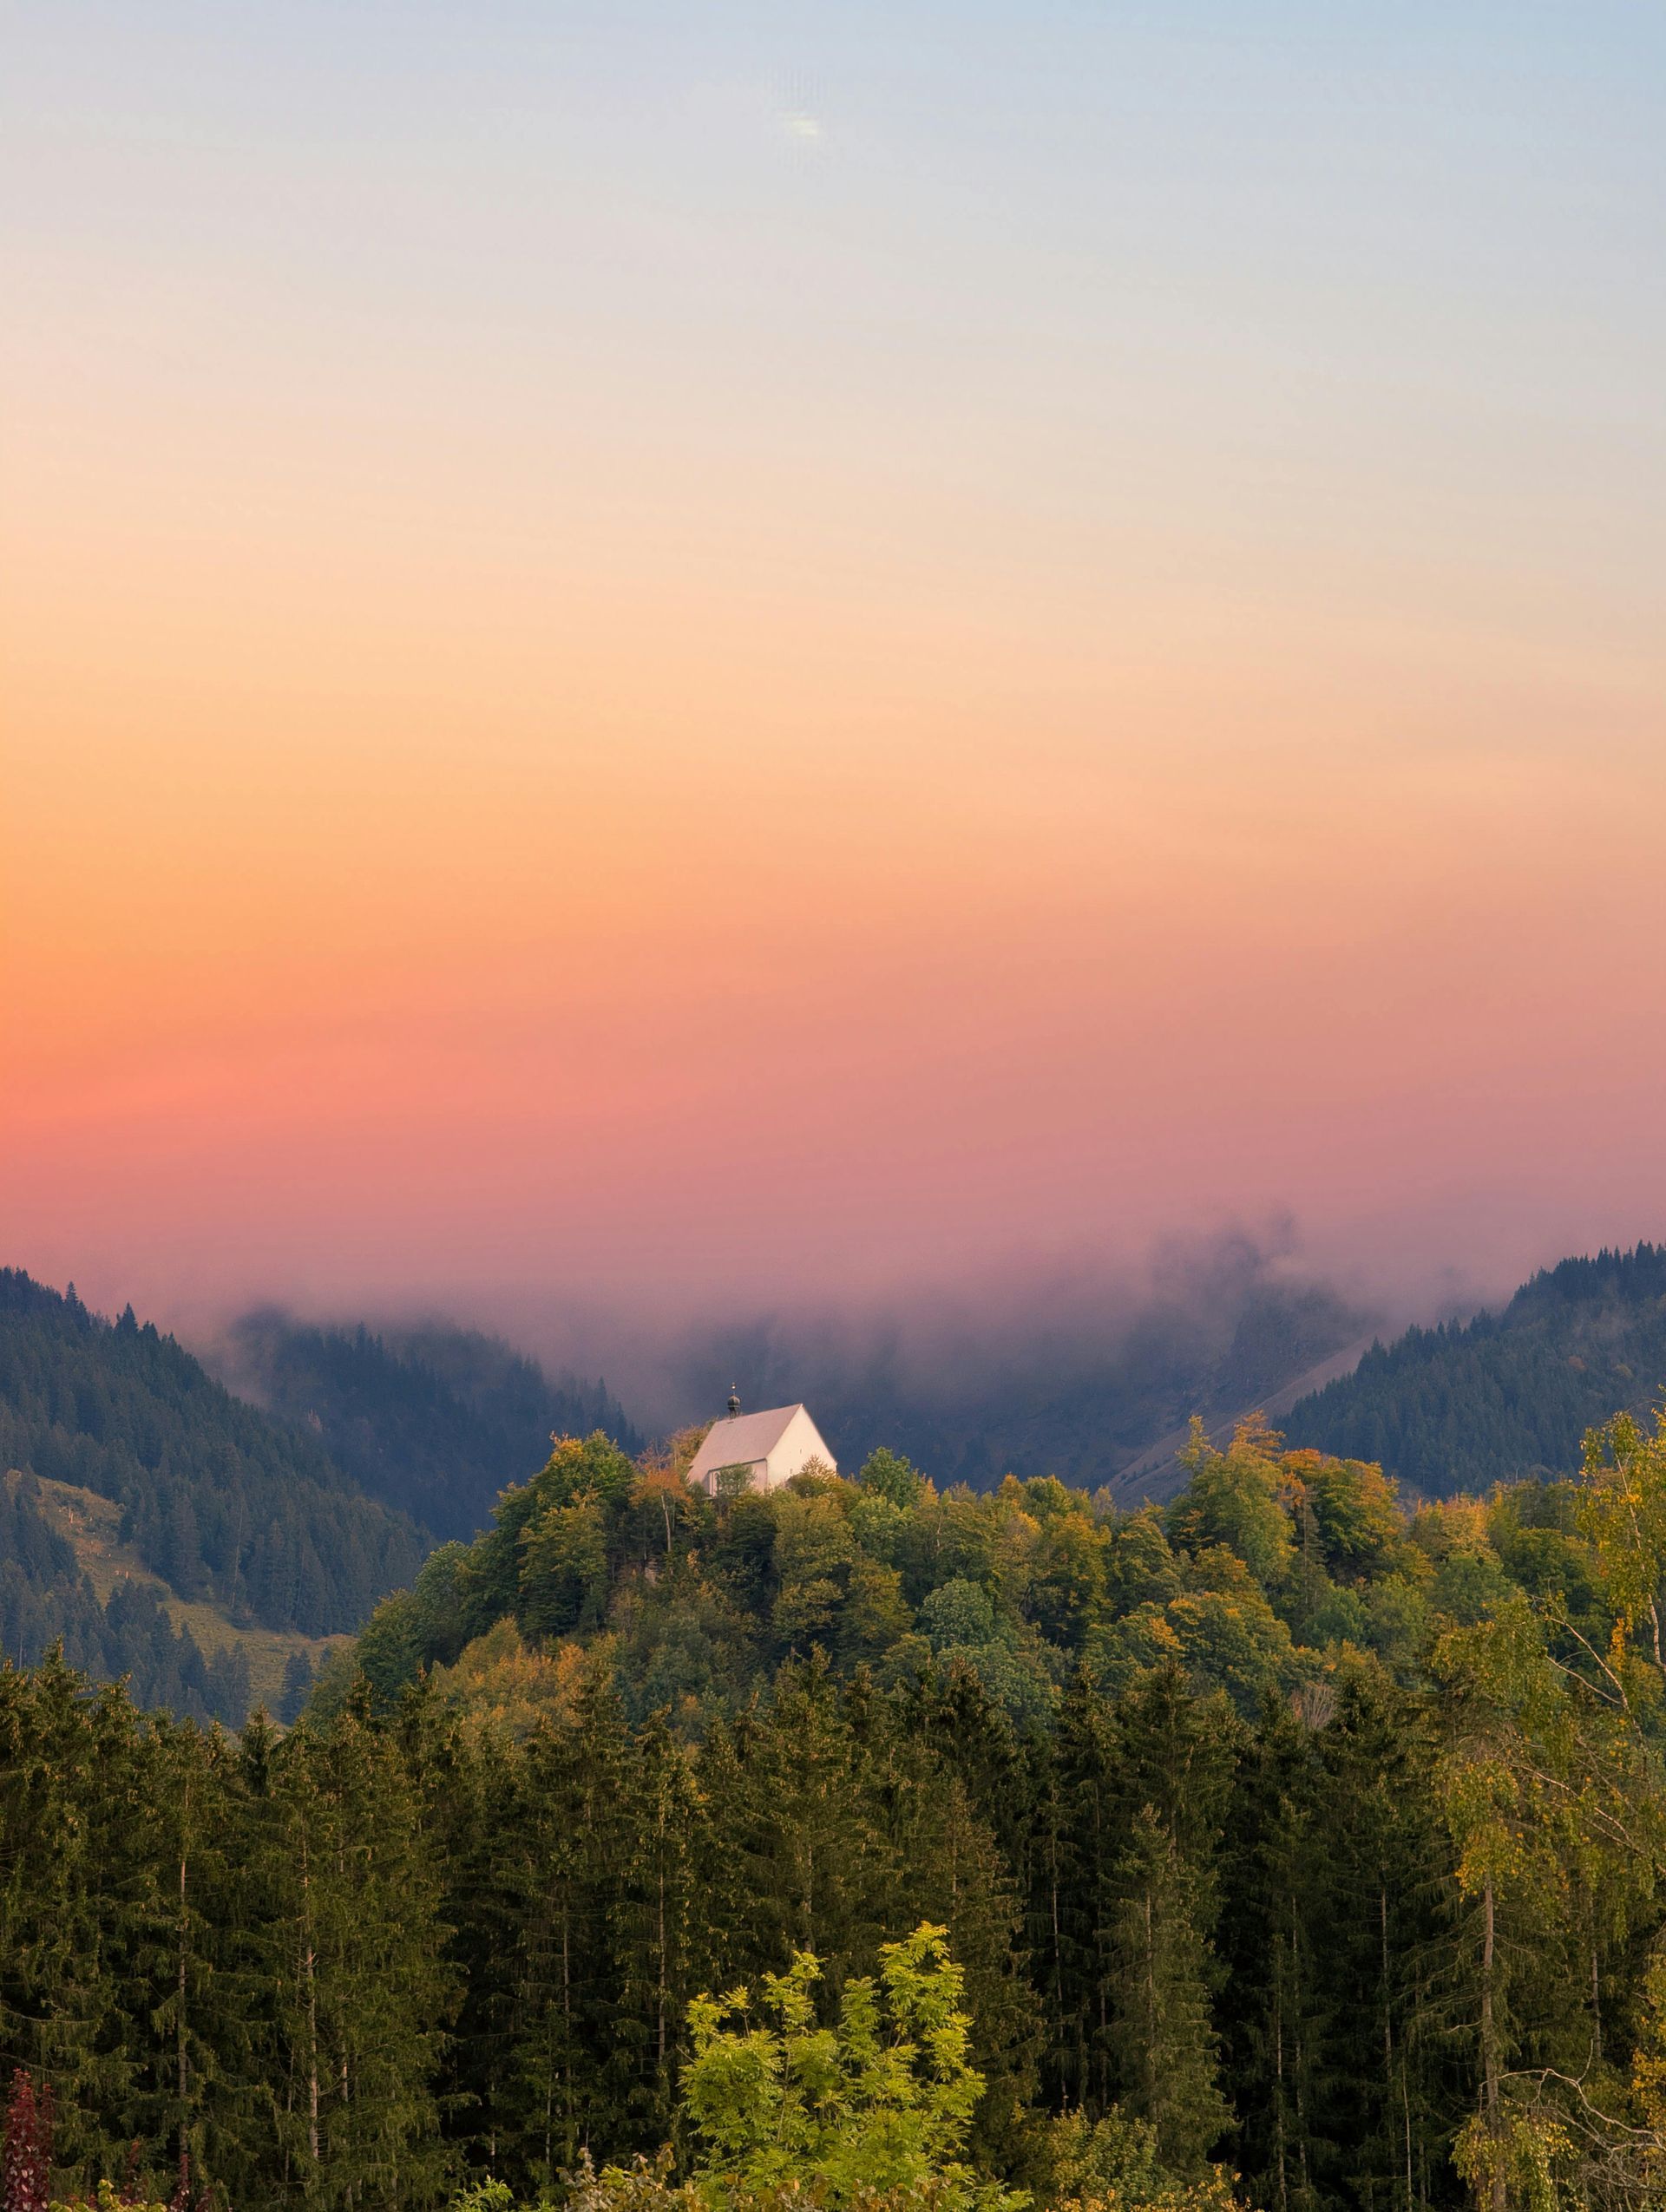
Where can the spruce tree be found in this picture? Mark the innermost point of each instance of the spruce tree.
(1161, 2035)
(76, 1821)
(1276, 1934)
(804, 1861)
(661, 1928)
(360, 1989)
(563, 2095)
(1078, 1825)
(204, 2104)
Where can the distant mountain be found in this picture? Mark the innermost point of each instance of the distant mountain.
(1470, 1403)
(434, 1422)
(162, 1528)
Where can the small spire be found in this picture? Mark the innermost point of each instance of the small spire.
(734, 1401)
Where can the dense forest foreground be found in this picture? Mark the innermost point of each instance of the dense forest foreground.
(1282, 1832)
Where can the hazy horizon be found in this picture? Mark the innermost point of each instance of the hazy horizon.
(946, 1343)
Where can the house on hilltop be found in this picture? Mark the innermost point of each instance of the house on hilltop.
(758, 1451)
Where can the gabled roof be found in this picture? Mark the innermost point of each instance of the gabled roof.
(737, 1439)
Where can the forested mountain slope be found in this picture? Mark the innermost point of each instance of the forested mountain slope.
(222, 1503)
(47, 1596)
(1470, 1403)
(433, 1421)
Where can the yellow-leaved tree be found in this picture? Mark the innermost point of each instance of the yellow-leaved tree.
(880, 2101)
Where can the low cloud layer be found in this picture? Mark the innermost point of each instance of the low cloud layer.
(1088, 1367)
(1076, 1371)
(1082, 1369)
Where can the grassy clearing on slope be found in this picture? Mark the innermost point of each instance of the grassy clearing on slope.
(93, 1525)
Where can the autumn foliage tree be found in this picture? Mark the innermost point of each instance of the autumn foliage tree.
(28, 2155)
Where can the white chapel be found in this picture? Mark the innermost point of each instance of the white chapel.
(758, 1451)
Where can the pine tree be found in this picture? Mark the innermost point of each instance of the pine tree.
(1277, 1923)
(358, 1986)
(953, 1875)
(661, 1936)
(563, 2095)
(1077, 1826)
(1388, 1868)
(1160, 2033)
(75, 1814)
(204, 2102)
(803, 1862)
(475, 1816)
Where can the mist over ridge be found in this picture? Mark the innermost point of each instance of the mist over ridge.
(1083, 1367)
(1076, 1373)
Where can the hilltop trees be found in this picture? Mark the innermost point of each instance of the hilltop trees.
(1263, 1556)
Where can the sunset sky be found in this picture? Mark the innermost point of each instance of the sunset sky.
(762, 653)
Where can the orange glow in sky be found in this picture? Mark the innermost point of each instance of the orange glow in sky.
(602, 690)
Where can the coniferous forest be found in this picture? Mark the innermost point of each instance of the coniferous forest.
(432, 1422)
(221, 1502)
(1472, 1403)
(292, 1516)
(943, 722)
(1285, 1833)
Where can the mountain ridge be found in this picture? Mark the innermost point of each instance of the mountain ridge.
(217, 1500)
(1512, 1390)
(159, 1527)
(433, 1420)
